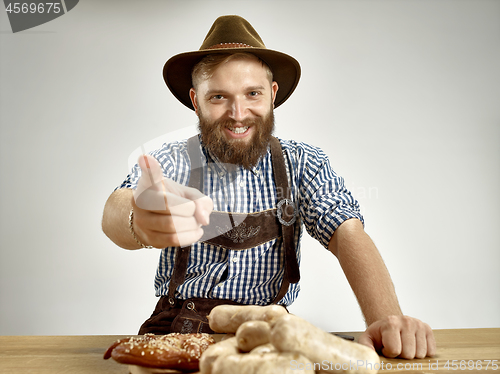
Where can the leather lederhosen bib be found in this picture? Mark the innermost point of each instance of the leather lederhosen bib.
(235, 231)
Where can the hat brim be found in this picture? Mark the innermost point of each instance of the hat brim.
(177, 71)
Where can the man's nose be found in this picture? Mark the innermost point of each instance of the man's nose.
(238, 110)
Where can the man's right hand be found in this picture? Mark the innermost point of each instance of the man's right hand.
(166, 213)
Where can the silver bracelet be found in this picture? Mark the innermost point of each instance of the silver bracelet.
(131, 228)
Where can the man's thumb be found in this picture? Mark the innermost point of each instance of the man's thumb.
(152, 174)
(150, 194)
(367, 339)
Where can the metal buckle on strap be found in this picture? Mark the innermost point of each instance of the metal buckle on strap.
(279, 212)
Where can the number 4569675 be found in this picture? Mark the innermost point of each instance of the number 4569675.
(33, 8)
(471, 365)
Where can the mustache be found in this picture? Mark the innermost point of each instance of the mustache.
(229, 122)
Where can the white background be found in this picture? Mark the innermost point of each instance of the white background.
(402, 95)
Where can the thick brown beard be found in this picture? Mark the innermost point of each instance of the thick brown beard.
(237, 152)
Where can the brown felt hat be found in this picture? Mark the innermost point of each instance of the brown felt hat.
(231, 34)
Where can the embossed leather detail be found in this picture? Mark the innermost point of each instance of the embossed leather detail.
(238, 231)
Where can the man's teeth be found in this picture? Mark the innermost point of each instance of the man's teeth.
(239, 130)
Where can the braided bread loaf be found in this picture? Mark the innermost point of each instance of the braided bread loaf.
(173, 351)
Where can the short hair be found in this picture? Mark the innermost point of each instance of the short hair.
(206, 67)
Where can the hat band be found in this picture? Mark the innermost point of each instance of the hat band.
(230, 45)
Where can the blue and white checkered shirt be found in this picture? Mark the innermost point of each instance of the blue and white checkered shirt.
(253, 275)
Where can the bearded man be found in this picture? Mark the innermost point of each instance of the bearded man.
(227, 207)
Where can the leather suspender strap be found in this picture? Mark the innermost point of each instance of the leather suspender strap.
(179, 274)
(286, 215)
(194, 152)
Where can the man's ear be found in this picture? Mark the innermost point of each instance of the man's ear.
(192, 96)
(274, 90)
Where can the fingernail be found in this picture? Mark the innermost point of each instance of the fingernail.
(207, 217)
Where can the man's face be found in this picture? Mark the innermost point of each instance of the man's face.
(235, 109)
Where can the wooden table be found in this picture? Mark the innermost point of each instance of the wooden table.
(83, 354)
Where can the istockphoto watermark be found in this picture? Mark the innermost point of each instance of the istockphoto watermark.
(325, 365)
(363, 365)
(25, 15)
(363, 192)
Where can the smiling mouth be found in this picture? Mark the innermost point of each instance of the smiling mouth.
(238, 130)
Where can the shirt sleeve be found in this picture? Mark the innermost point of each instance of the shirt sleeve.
(132, 178)
(324, 201)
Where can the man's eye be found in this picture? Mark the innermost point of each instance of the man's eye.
(217, 97)
(253, 93)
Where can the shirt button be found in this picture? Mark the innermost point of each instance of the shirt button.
(235, 258)
(242, 184)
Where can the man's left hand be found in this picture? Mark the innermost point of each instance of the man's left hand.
(400, 336)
